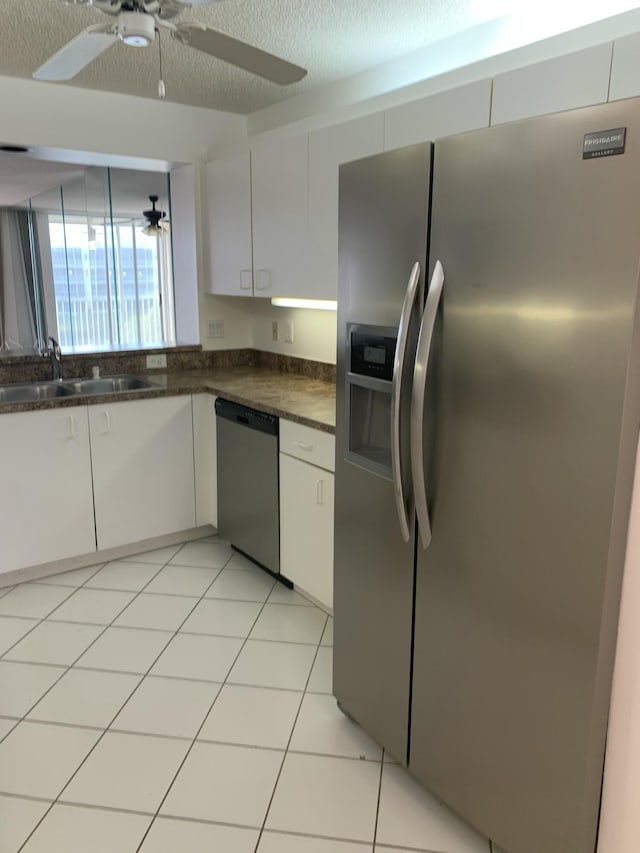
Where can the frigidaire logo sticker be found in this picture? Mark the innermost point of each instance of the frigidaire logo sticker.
(604, 143)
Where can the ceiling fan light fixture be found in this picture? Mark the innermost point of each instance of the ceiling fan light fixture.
(154, 219)
(136, 29)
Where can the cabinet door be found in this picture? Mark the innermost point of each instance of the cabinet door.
(576, 80)
(456, 111)
(229, 219)
(328, 148)
(625, 68)
(47, 501)
(279, 207)
(306, 528)
(143, 476)
(204, 455)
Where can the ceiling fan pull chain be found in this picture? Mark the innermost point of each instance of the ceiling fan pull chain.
(161, 87)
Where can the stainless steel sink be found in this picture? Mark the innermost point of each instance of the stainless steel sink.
(109, 385)
(29, 392)
(33, 391)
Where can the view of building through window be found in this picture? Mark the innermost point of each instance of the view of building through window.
(113, 283)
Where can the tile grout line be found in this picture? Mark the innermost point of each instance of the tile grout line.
(143, 676)
(40, 619)
(67, 667)
(64, 622)
(286, 751)
(202, 724)
(375, 826)
(188, 738)
(104, 731)
(64, 667)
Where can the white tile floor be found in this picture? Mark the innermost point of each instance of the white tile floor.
(180, 700)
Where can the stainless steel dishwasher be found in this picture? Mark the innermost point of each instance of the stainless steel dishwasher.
(248, 499)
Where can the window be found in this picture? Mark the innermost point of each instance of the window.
(113, 284)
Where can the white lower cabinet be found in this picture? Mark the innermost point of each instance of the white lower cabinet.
(143, 469)
(306, 510)
(204, 456)
(47, 500)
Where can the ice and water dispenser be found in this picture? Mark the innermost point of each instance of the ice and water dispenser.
(370, 358)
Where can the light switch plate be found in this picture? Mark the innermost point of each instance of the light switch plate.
(216, 330)
(288, 332)
(154, 361)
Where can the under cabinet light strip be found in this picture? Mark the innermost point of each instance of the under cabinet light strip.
(314, 304)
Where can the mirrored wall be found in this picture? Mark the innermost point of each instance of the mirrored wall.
(87, 260)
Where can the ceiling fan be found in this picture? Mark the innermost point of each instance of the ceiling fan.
(156, 222)
(136, 24)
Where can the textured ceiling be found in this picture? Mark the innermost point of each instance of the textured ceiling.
(333, 39)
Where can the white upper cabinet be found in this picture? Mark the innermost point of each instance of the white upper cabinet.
(279, 209)
(456, 111)
(229, 219)
(47, 499)
(625, 68)
(575, 80)
(328, 148)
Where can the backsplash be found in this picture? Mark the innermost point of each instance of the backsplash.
(33, 368)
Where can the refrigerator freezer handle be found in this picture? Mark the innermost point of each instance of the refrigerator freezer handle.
(399, 488)
(417, 402)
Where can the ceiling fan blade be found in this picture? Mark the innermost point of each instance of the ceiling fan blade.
(77, 53)
(239, 53)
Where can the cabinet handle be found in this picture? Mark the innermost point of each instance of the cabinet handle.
(263, 276)
(107, 421)
(320, 492)
(245, 279)
(72, 427)
(303, 446)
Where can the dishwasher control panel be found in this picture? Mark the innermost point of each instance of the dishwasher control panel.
(245, 416)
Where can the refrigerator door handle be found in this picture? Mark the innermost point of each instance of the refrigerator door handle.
(399, 490)
(423, 353)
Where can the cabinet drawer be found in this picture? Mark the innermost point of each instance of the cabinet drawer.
(310, 445)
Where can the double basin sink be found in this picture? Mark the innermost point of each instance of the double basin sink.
(30, 392)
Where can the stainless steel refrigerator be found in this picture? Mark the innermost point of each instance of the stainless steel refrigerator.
(487, 421)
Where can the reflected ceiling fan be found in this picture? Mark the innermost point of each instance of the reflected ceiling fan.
(136, 24)
(156, 223)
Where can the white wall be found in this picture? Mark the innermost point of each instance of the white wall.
(185, 260)
(247, 323)
(314, 332)
(620, 817)
(57, 116)
(236, 316)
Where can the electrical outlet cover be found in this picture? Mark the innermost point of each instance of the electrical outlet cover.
(155, 361)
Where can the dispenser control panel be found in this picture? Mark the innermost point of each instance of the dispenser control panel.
(371, 354)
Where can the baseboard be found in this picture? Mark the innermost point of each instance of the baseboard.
(45, 570)
(313, 599)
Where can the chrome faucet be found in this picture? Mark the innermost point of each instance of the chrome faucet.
(54, 352)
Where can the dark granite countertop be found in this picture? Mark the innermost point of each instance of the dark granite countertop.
(288, 395)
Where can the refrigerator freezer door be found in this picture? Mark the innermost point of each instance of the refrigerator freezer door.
(517, 594)
(382, 232)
